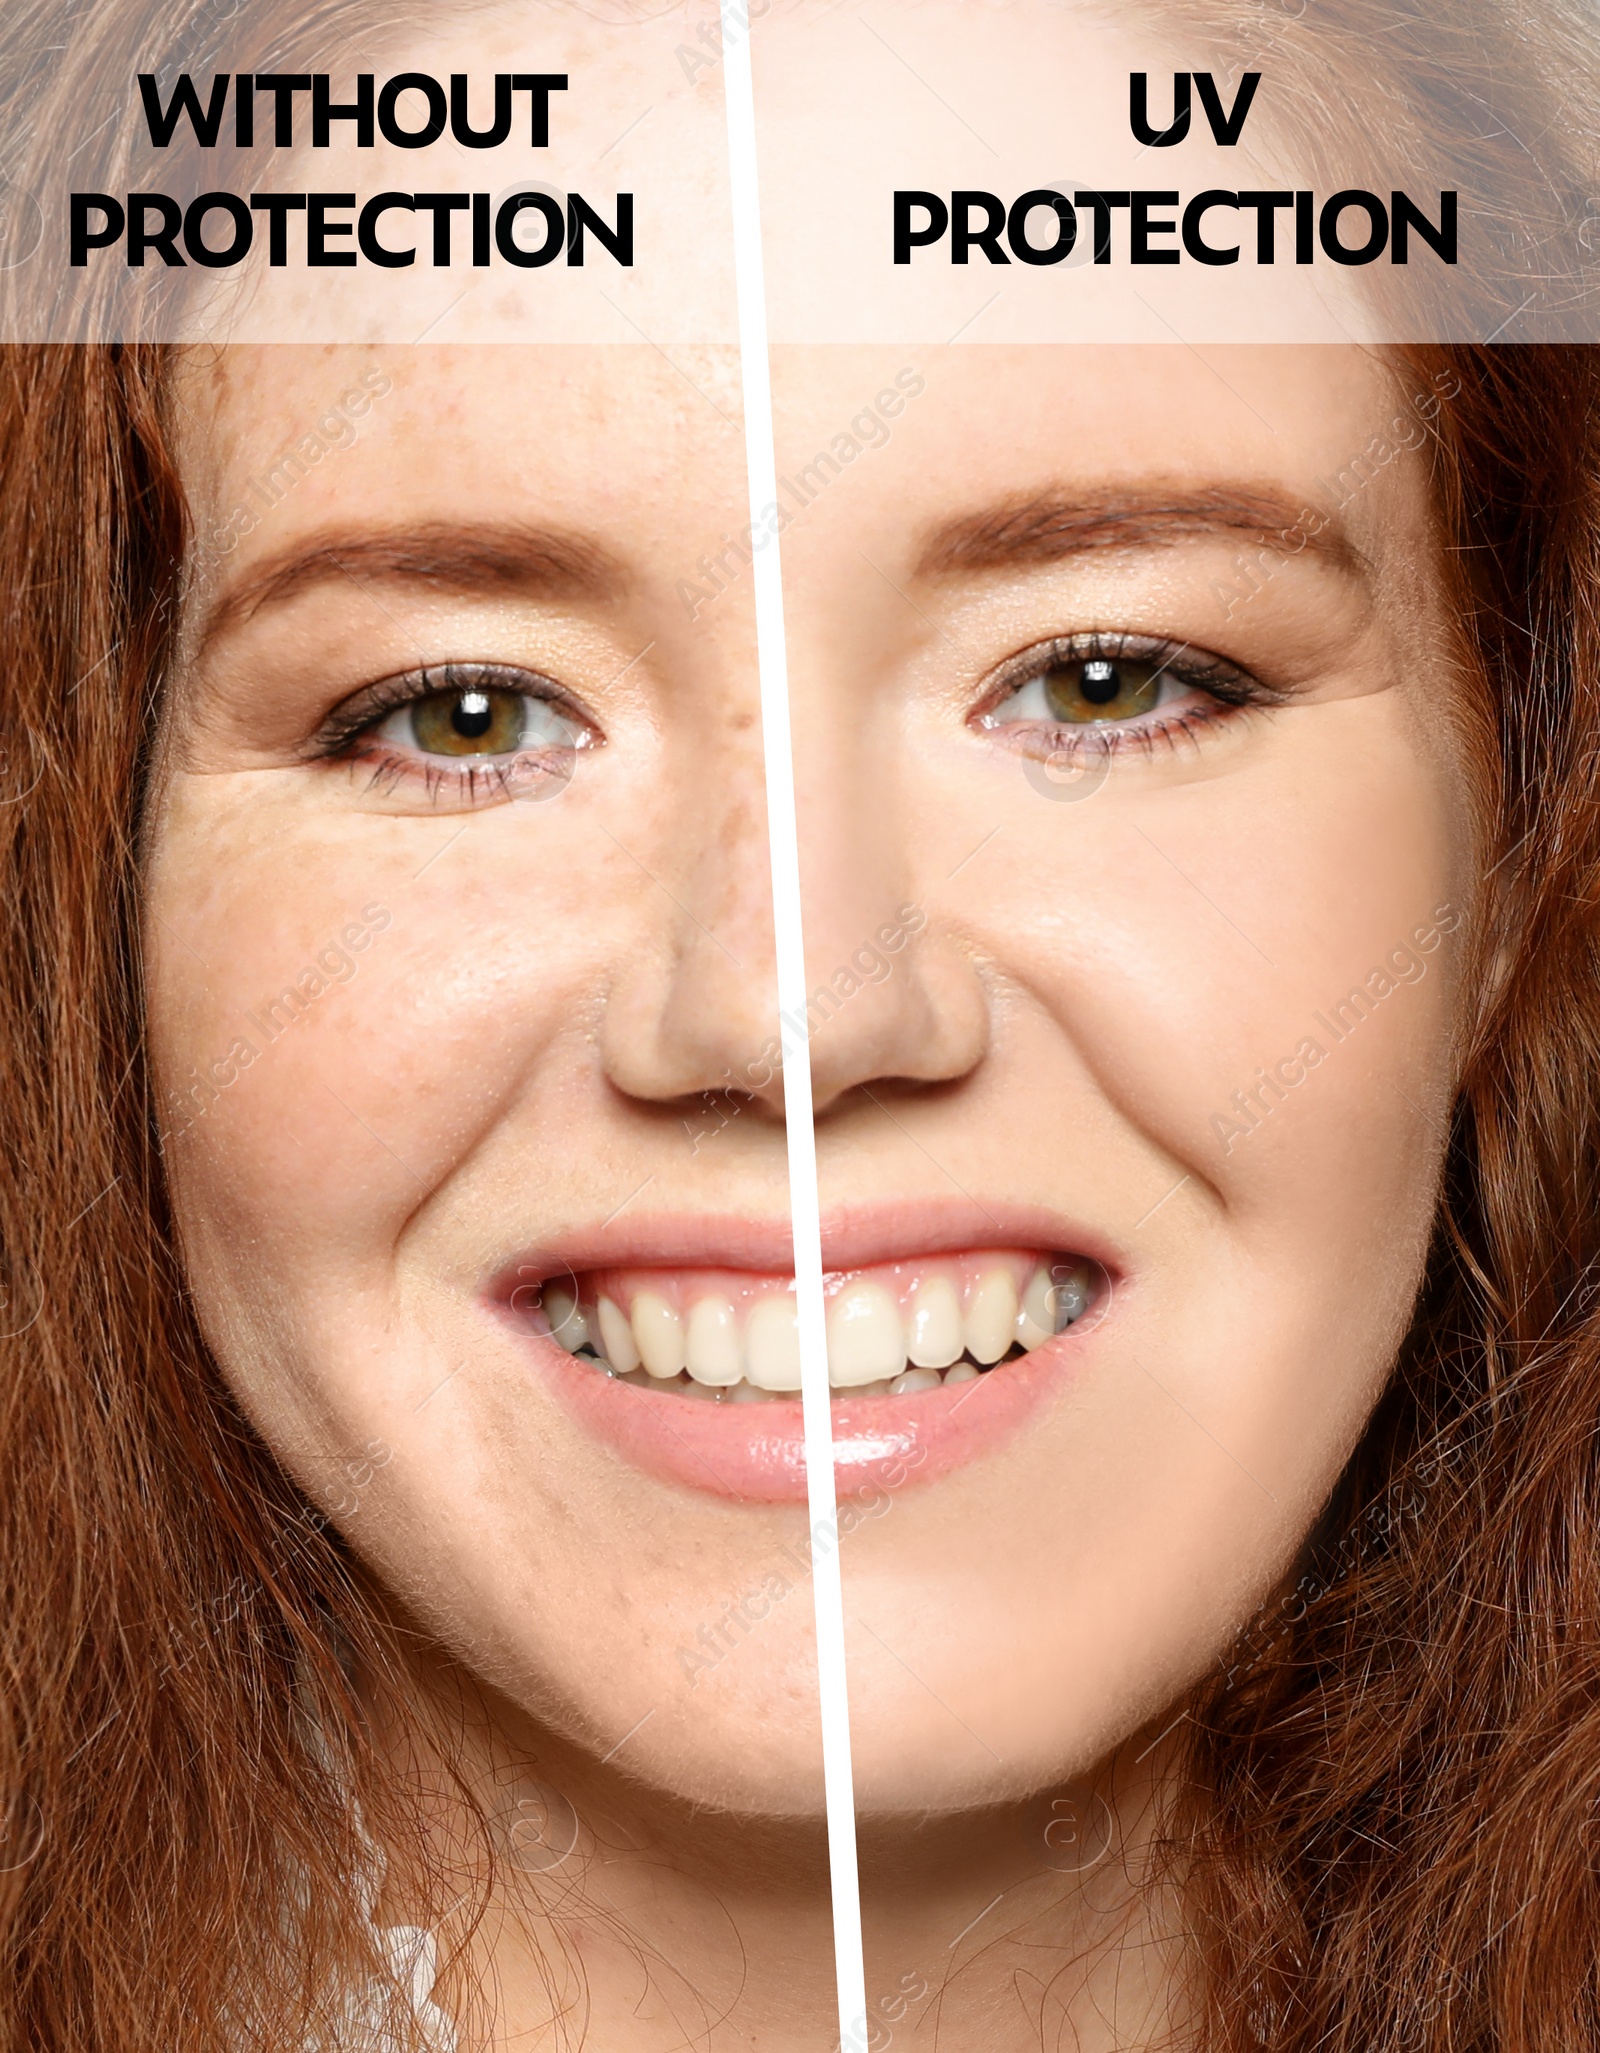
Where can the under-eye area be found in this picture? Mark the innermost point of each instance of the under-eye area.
(732, 1337)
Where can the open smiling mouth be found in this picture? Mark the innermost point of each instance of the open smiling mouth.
(724, 1336)
(691, 1373)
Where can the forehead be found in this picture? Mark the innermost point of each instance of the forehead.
(613, 438)
(428, 419)
(1005, 99)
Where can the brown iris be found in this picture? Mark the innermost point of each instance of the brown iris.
(1101, 688)
(480, 721)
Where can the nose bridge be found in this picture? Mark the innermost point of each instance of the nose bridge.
(889, 996)
(719, 852)
(693, 1006)
(852, 873)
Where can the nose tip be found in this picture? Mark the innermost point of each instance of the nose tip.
(923, 1022)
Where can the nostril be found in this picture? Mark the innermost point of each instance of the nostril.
(886, 1093)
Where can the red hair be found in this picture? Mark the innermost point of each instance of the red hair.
(178, 1741)
(1393, 1837)
(1388, 1839)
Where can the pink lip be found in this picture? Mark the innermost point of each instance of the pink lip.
(756, 1453)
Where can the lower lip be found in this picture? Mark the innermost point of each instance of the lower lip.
(756, 1452)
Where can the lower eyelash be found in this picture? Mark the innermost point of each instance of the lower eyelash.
(473, 782)
(1167, 731)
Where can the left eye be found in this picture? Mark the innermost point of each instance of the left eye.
(1090, 690)
(479, 720)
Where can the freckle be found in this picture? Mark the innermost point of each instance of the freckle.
(741, 723)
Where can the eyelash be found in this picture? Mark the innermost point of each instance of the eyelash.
(1231, 690)
(473, 782)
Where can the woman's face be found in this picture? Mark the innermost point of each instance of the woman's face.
(1136, 864)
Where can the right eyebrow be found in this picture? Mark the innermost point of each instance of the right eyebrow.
(1046, 527)
(450, 556)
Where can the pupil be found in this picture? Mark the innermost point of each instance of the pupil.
(471, 715)
(1100, 683)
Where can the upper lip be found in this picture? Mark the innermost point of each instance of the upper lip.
(854, 1236)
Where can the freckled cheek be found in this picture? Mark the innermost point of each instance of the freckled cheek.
(331, 1043)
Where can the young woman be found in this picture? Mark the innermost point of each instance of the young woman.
(409, 1639)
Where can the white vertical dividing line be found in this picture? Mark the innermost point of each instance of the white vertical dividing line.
(772, 657)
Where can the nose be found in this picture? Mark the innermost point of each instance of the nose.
(890, 999)
(693, 1007)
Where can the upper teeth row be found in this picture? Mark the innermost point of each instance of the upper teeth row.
(869, 1337)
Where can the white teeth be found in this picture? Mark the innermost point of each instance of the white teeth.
(877, 1342)
(616, 1338)
(712, 1351)
(772, 1344)
(1036, 1321)
(992, 1317)
(865, 1343)
(658, 1335)
(936, 1336)
(915, 1379)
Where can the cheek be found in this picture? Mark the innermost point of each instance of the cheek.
(1152, 950)
(299, 1162)
(341, 1200)
(1217, 952)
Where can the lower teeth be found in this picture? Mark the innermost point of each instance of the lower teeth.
(966, 1370)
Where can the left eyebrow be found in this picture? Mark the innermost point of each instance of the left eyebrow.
(1046, 527)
